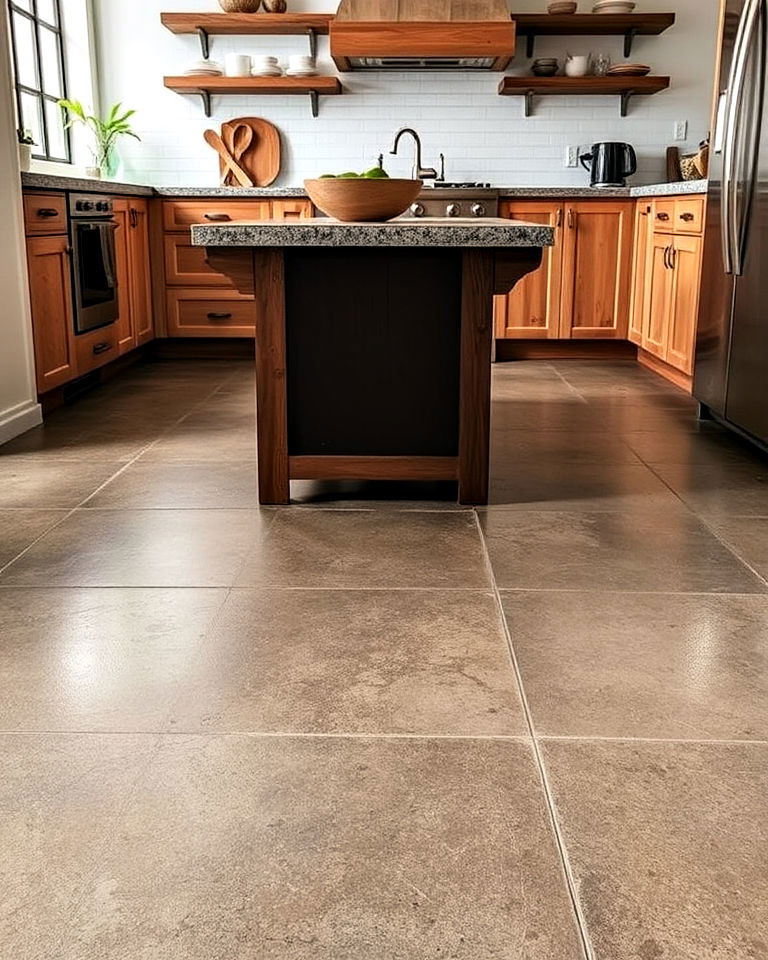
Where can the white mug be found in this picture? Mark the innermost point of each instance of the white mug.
(237, 65)
(576, 66)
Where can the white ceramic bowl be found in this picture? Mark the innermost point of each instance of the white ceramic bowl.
(614, 6)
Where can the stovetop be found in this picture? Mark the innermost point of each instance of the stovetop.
(460, 185)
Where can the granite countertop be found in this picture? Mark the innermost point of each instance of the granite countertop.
(404, 232)
(43, 181)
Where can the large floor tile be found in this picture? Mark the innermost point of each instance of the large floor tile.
(710, 444)
(181, 486)
(46, 484)
(722, 489)
(512, 447)
(666, 551)
(344, 548)
(80, 439)
(142, 548)
(97, 660)
(242, 847)
(205, 440)
(20, 528)
(643, 665)
(361, 661)
(604, 487)
(60, 802)
(668, 845)
(747, 537)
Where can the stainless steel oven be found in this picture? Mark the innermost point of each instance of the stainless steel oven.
(92, 231)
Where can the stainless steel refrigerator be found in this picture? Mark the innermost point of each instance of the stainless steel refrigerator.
(731, 373)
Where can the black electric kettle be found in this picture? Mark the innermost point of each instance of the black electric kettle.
(609, 164)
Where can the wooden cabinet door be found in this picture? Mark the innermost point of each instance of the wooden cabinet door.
(126, 334)
(141, 274)
(50, 288)
(643, 235)
(659, 291)
(291, 210)
(681, 337)
(597, 261)
(532, 309)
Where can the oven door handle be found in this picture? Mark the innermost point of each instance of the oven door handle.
(107, 234)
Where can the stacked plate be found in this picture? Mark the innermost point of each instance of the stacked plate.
(264, 66)
(300, 65)
(203, 68)
(613, 6)
(629, 70)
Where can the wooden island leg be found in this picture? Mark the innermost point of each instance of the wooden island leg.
(477, 290)
(271, 401)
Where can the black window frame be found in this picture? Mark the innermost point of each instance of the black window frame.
(41, 151)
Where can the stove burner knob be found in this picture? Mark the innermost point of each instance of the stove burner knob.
(478, 210)
(418, 209)
(453, 210)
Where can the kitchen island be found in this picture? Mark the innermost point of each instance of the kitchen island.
(373, 343)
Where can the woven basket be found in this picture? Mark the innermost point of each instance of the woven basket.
(240, 6)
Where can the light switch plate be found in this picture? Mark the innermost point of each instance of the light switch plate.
(681, 130)
(571, 156)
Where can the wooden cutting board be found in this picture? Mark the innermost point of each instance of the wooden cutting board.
(261, 161)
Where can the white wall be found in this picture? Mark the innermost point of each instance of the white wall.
(484, 136)
(19, 409)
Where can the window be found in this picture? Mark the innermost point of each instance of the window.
(40, 79)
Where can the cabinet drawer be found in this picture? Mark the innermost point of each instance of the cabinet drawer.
(181, 214)
(96, 348)
(210, 313)
(186, 265)
(664, 216)
(689, 215)
(45, 213)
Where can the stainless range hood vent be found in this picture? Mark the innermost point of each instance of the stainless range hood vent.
(422, 35)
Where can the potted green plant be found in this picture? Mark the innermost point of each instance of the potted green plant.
(26, 142)
(105, 132)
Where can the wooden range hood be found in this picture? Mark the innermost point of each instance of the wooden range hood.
(422, 35)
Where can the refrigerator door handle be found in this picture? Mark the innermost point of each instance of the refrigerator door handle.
(736, 75)
(736, 89)
(748, 173)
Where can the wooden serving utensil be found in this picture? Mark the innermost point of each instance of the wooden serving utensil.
(238, 141)
(214, 140)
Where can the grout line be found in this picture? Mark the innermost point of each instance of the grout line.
(570, 881)
(588, 738)
(571, 387)
(276, 735)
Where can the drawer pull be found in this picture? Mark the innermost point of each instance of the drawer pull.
(217, 216)
(662, 216)
(46, 213)
(687, 217)
(101, 348)
(219, 316)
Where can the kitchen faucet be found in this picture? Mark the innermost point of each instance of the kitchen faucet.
(422, 173)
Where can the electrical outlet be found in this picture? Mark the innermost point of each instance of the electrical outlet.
(681, 130)
(571, 156)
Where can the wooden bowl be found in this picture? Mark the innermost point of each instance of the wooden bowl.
(361, 200)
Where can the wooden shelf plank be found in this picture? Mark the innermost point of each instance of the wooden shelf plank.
(206, 87)
(624, 87)
(628, 25)
(246, 24)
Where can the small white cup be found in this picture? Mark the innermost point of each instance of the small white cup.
(237, 65)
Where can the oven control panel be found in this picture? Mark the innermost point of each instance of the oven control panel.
(90, 205)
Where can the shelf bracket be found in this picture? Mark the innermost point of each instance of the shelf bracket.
(530, 45)
(312, 34)
(625, 98)
(205, 96)
(529, 103)
(629, 38)
(315, 102)
(205, 43)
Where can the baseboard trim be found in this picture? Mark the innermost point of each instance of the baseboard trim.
(673, 375)
(565, 350)
(17, 420)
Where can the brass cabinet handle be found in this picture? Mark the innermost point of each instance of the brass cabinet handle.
(571, 218)
(47, 212)
(219, 316)
(662, 216)
(217, 216)
(559, 218)
(687, 217)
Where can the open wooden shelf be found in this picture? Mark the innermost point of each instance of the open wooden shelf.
(206, 25)
(628, 25)
(624, 87)
(205, 87)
